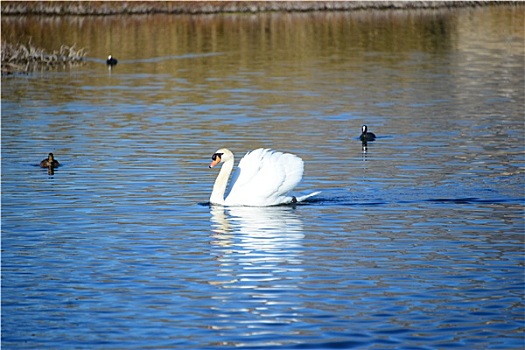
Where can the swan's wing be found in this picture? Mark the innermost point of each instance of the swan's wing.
(246, 170)
(264, 177)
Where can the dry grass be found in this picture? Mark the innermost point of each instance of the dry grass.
(83, 8)
(25, 57)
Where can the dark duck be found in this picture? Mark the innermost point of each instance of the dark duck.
(365, 135)
(111, 61)
(49, 162)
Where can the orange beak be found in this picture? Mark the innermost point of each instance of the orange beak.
(214, 162)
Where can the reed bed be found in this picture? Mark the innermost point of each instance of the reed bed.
(83, 8)
(26, 57)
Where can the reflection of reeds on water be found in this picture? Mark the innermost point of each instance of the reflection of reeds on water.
(25, 57)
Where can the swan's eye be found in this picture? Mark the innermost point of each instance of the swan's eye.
(214, 157)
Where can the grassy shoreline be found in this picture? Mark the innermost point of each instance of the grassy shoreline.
(91, 8)
(24, 57)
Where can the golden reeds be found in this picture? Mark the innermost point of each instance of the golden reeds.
(21, 57)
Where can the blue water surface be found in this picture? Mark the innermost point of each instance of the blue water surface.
(415, 241)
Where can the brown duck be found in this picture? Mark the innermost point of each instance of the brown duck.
(50, 162)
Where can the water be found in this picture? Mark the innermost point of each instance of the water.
(415, 242)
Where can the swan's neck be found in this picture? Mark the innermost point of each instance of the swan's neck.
(219, 187)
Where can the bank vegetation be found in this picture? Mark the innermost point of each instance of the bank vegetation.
(91, 8)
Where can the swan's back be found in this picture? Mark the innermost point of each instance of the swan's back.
(264, 177)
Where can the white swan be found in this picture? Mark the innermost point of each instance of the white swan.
(263, 178)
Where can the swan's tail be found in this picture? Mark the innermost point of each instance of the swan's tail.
(302, 198)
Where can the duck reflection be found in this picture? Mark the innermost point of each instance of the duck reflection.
(364, 148)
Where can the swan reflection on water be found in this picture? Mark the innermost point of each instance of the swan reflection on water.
(249, 240)
(259, 254)
(262, 229)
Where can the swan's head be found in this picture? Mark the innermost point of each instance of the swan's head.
(221, 155)
(364, 129)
